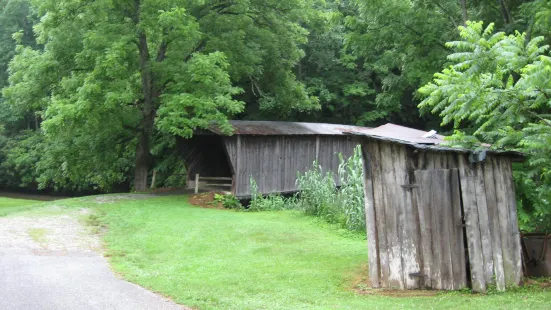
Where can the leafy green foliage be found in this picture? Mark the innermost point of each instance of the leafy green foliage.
(116, 78)
(108, 84)
(271, 202)
(228, 201)
(18, 158)
(351, 192)
(15, 18)
(318, 193)
(498, 86)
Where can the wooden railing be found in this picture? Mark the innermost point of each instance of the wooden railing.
(207, 182)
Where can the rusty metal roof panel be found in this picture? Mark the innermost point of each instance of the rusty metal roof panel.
(398, 132)
(266, 128)
(436, 145)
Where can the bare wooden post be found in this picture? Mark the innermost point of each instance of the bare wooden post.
(153, 179)
(197, 183)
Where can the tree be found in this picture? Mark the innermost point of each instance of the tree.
(15, 17)
(397, 46)
(116, 76)
(498, 89)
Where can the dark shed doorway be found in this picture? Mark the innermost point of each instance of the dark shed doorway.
(205, 155)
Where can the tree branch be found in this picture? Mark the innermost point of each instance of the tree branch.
(197, 49)
(448, 13)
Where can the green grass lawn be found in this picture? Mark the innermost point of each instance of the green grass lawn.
(11, 205)
(218, 259)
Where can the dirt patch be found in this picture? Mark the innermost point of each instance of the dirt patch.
(540, 282)
(47, 235)
(360, 279)
(206, 200)
(115, 198)
(405, 293)
(361, 285)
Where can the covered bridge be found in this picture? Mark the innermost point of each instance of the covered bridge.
(270, 152)
(439, 217)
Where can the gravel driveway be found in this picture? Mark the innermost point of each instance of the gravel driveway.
(49, 261)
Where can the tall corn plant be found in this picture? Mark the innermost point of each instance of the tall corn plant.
(351, 192)
(318, 195)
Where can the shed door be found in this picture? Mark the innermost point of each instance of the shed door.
(442, 252)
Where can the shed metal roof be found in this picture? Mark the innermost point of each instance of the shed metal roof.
(426, 144)
(389, 132)
(270, 128)
(392, 131)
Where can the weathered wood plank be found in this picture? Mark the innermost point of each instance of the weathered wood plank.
(239, 190)
(491, 203)
(286, 164)
(414, 230)
(217, 184)
(474, 243)
(370, 220)
(231, 148)
(513, 218)
(398, 206)
(484, 223)
(276, 164)
(392, 216)
(504, 226)
(423, 178)
(214, 179)
(407, 220)
(456, 230)
(438, 253)
(380, 212)
(317, 148)
(445, 219)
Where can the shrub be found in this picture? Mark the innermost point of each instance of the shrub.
(264, 203)
(228, 201)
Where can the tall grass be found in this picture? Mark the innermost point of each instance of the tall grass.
(319, 196)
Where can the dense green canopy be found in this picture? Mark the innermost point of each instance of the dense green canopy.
(95, 92)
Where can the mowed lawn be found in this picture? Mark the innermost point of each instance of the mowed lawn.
(218, 259)
(11, 205)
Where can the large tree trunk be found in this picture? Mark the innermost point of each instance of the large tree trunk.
(143, 160)
(143, 153)
(151, 96)
(143, 148)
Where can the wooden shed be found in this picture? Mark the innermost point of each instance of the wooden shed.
(270, 152)
(438, 217)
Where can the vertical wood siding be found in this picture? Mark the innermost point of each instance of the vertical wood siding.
(442, 235)
(420, 207)
(273, 161)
